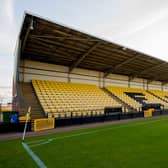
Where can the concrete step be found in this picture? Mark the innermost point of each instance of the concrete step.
(31, 99)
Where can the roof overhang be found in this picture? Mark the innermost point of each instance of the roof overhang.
(45, 41)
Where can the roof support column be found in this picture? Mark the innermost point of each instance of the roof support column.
(162, 86)
(148, 82)
(103, 81)
(129, 82)
(69, 78)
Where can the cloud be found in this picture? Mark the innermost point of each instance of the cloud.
(9, 10)
(143, 23)
(7, 44)
(7, 28)
(5, 94)
(6, 13)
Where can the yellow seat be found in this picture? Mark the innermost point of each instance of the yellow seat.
(66, 98)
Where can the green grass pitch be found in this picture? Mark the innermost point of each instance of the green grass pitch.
(137, 144)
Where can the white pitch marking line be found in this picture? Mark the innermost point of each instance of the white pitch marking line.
(46, 141)
(38, 161)
(32, 142)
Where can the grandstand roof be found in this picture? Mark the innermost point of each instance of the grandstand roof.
(45, 41)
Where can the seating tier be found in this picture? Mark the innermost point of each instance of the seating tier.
(135, 97)
(75, 99)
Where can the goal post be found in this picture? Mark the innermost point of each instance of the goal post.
(44, 124)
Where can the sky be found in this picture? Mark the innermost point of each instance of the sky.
(138, 24)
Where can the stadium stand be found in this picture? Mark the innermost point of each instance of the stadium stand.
(163, 95)
(66, 99)
(137, 98)
(47, 52)
(119, 92)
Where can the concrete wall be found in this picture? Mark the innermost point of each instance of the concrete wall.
(37, 70)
